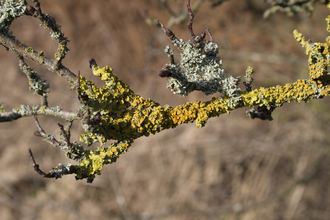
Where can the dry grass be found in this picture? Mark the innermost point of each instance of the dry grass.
(234, 168)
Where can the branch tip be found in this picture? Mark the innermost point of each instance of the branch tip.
(92, 63)
(168, 32)
(209, 33)
(191, 17)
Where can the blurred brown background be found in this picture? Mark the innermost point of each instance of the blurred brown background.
(234, 168)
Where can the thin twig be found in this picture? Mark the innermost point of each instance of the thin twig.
(36, 167)
(191, 17)
(209, 33)
(168, 32)
(64, 134)
(41, 131)
(50, 139)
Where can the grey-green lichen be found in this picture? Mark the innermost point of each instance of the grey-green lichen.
(25, 110)
(8, 12)
(60, 170)
(200, 69)
(36, 84)
(49, 22)
(56, 109)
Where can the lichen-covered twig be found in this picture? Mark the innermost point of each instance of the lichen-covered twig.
(49, 22)
(38, 85)
(248, 79)
(29, 53)
(74, 150)
(56, 172)
(27, 111)
(64, 134)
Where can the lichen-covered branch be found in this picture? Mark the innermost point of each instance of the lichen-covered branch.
(115, 113)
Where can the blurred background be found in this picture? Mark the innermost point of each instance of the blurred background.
(233, 168)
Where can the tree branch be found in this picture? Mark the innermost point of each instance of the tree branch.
(26, 111)
(115, 113)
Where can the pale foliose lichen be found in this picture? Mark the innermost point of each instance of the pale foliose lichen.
(56, 109)
(25, 110)
(8, 12)
(36, 84)
(60, 170)
(200, 69)
(49, 22)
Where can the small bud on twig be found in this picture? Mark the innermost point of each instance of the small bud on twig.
(92, 63)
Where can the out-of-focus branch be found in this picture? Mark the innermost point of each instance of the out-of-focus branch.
(177, 17)
(292, 7)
